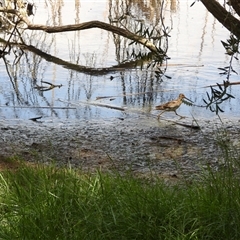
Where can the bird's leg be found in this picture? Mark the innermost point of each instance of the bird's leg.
(179, 115)
(158, 116)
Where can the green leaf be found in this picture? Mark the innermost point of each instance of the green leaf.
(220, 87)
(226, 98)
(231, 96)
(219, 109)
(205, 101)
(209, 97)
(223, 69)
(225, 45)
(234, 71)
(192, 4)
(168, 77)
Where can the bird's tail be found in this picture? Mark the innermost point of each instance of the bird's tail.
(160, 107)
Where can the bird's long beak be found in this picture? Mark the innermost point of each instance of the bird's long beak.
(188, 99)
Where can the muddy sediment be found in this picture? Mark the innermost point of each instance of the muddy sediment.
(140, 144)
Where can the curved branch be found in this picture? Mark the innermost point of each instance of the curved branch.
(77, 67)
(97, 24)
(223, 16)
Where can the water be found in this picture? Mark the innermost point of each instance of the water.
(194, 48)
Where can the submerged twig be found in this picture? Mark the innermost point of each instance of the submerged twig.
(94, 104)
(44, 88)
(196, 127)
(35, 118)
(47, 107)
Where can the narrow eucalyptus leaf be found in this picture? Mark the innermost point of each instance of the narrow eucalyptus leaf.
(224, 44)
(211, 109)
(209, 97)
(226, 98)
(231, 96)
(220, 109)
(217, 93)
(220, 87)
(223, 69)
(192, 4)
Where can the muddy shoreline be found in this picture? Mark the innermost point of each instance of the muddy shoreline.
(137, 143)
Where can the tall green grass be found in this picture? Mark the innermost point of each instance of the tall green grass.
(46, 202)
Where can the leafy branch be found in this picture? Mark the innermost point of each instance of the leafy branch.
(219, 94)
(217, 97)
(155, 34)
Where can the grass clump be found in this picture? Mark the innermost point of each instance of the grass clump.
(46, 202)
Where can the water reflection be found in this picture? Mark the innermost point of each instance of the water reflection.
(139, 87)
(95, 63)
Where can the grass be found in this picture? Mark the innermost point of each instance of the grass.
(46, 202)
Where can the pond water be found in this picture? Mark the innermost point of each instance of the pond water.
(194, 48)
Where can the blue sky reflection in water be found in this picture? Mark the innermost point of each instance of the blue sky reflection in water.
(194, 48)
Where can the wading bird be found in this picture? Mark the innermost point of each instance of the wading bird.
(172, 105)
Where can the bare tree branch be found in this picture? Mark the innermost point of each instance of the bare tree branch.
(236, 6)
(223, 16)
(97, 24)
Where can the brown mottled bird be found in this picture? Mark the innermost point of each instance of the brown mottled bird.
(172, 105)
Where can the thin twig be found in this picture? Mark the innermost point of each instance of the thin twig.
(94, 104)
(47, 107)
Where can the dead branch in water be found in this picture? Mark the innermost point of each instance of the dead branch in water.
(94, 104)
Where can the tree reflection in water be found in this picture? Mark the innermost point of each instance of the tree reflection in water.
(88, 65)
(26, 55)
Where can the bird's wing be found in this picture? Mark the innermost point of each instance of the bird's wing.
(171, 104)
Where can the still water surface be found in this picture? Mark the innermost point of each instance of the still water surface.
(194, 48)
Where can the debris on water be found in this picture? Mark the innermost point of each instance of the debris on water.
(35, 119)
